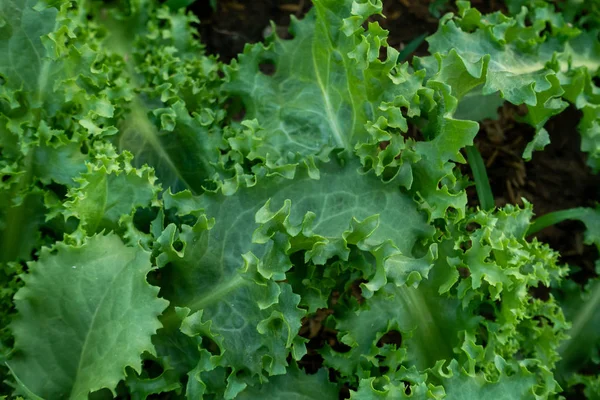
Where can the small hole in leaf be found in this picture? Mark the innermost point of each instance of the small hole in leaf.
(155, 276)
(71, 224)
(297, 260)
(541, 292)
(267, 67)
(5, 178)
(210, 345)
(596, 80)
(356, 291)
(389, 173)
(243, 373)
(311, 362)
(487, 311)
(482, 336)
(46, 231)
(383, 369)
(344, 391)
(472, 226)
(163, 24)
(547, 30)
(407, 389)
(58, 189)
(143, 217)
(391, 337)
(339, 346)
(414, 132)
(466, 245)
(34, 255)
(100, 394)
(542, 321)
(178, 245)
(382, 54)
(235, 109)
(152, 368)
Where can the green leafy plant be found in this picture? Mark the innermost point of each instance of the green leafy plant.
(152, 243)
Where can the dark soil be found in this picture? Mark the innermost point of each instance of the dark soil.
(237, 22)
(556, 178)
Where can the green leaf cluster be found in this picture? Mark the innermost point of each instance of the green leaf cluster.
(151, 244)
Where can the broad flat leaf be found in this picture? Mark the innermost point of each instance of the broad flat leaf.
(317, 96)
(240, 305)
(331, 90)
(19, 228)
(516, 74)
(24, 57)
(477, 107)
(328, 81)
(85, 314)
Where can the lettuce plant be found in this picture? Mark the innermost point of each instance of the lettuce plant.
(154, 244)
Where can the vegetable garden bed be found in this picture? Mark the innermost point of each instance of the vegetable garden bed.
(195, 203)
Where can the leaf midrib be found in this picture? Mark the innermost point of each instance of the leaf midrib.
(426, 324)
(218, 293)
(333, 120)
(92, 323)
(148, 132)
